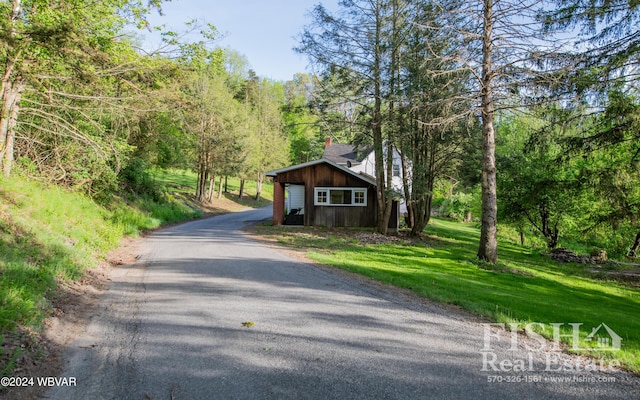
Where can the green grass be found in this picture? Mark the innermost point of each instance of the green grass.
(176, 180)
(523, 287)
(49, 235)
(142, 214)
(46, 235)
(182, 183)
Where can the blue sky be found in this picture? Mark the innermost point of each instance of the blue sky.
(262, 30)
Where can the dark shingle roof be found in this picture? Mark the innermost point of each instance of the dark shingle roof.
(343, 153)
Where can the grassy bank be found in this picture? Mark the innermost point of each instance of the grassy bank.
(50, 236)
(523, 287)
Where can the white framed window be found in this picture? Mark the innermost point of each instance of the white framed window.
(396, 169)
(322, 196)
(340, 196)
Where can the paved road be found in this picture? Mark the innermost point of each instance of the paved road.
(171, 327)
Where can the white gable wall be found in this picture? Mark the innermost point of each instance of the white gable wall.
(368, 166)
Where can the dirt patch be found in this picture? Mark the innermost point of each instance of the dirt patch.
(630, 275)
(402, 238)
(342, 236)
(227, 203)
(40, 354)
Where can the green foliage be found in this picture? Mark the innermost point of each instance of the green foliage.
(161, 141)
(536, 188)
(72, 102)
(573, 176)
(609, 44)
(136, 178)
(460, 204)
(301, 124)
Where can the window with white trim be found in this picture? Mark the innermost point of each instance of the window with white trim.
(396, 169)
(340, 196)
(322, 196)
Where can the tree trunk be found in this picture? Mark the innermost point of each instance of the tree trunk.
(11, 133)
(376, 127)
(199, 180)
(10, 92)
(551, 233)
(423, 206)
(552, 241)
(5, 112)
(203, 175)
(389, 183)
(422, 215)
(226, 184)
(241, 194)
(259, 186)
(212, 187)
(220, 187)
(407, 192)
(203, 187)
(488, 249)
(424, 176)
(633, 251)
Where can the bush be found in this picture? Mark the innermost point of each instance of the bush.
(456, 206)
(136, 179)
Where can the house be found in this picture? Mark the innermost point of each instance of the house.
(324, 193)
(362, 160)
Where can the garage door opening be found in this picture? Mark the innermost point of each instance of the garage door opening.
(294, 205)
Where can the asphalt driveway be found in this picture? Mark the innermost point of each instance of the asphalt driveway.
(208, 313)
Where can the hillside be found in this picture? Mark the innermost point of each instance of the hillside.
(54, 246)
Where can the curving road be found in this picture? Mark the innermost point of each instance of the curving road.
(171, 327)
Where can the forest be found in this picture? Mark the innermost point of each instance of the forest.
(515, 114)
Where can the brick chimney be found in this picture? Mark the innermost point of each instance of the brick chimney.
(327, 142)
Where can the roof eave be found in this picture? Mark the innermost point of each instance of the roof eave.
(275, 172)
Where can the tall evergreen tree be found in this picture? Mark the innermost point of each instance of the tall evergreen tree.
(355, 46)
(603, 75)
(502, 42)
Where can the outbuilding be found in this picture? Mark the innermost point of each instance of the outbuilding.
(323, 193)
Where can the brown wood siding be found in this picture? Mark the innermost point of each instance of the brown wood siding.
(278, 202)
(324, 175)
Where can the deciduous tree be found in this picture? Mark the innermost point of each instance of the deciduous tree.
(46, 45)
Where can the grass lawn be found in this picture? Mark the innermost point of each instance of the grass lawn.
(523, 287)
